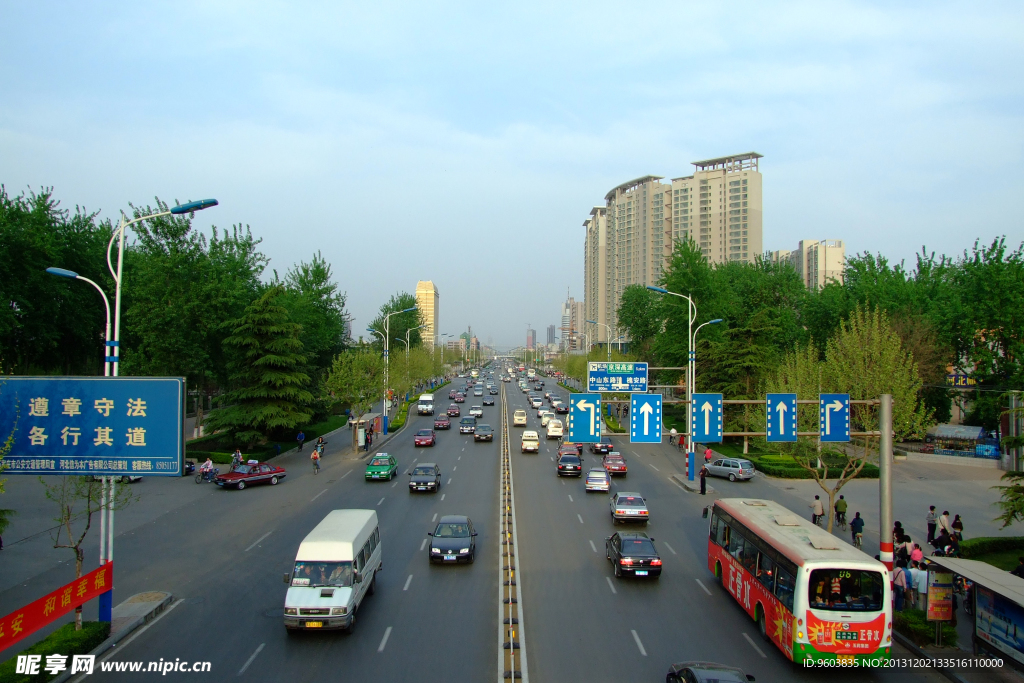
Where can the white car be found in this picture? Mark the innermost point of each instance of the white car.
(531, 442)
(476, 411)
(545, 417)
(555, 429)
(519, 418)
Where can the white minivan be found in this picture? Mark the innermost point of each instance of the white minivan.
(425, 405)
(335, 568)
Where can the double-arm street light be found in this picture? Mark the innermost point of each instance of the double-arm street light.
(387, 361)
(608, 339)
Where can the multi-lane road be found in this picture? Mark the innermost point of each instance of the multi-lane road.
(222, 554)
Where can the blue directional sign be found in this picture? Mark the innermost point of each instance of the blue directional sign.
(834, 417)
(584, 418)
(93, 425)
(781, 417)
(617, 377)
(645, 418)
(706, 418)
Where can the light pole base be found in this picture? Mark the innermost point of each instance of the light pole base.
(689, 465)
(106, 606)
(384, 424)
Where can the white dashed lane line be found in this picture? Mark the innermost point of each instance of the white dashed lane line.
(701, 584)
(593, 547)
(610, 584)
(641, 645)
(654, 468)
(449, 481)
(443, 495)
(394, 485)
(570, 498)
(409, 580)
(754, 645)
(434, 518)
(258, 541)
(670, 548)
(580, 517)
(317, 495)
(455, 468)
(250, 660)
(384, 640)
(552, 458)
(379, 502)
(424, 544)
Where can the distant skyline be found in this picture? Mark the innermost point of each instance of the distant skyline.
(415, 142)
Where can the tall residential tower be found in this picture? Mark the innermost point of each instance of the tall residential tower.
(428, 301)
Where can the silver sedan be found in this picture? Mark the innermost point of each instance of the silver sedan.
(597, 480)
(628, 506)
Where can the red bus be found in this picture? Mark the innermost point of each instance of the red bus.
(811, 594)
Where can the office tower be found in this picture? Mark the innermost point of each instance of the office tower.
(428, 301)
(531, 339)
(551, 335)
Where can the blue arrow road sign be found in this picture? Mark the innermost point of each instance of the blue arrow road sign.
(584, 418)
(781, 417)
(617, 377)
(834, 417)
(645, 418)
(706, 418)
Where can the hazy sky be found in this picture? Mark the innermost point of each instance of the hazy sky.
(467, 145)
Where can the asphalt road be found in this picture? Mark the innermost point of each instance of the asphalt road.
(222, 553)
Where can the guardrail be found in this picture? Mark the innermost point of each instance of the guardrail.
(511, 653)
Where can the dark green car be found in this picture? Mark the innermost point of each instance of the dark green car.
(382, 466)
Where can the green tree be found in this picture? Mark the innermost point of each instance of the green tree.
(269, 389)
(398, 324)
(313, 301)
(356, 379)
(639, 314)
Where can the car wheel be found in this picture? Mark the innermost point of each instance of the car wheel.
(273, 481)
(241, 486)
(732, 477)
(472, 557)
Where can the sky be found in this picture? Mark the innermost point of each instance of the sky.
(466, 144)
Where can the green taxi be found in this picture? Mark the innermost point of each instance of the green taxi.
(382, 466)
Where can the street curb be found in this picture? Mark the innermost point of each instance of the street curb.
(691, 486)
(918, 652)
(125, 631)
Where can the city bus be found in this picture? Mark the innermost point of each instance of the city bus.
(811, 594)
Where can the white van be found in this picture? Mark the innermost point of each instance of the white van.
(555, 429)
(426, 404)
(335, 568)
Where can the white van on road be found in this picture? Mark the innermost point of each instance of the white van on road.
(335, 569)
(425, 405)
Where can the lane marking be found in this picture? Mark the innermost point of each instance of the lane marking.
(317, 495)
(384, 640)
(655, 468)
(394, 485)
(139, 632)
(455, 468)
(701, 584)
(250, 660)
(610, 584)
(409, 580)
(754, 645)
(443, 495)
(258, 540)
(552, 457)
(434, 518)
(594, 547)
(579, 517)
(449, 481)
(344, 475)
(424, 544)
(638, 643)
(570, 498)
(459, 458)
(414, 460)
(379, 502)
(670, 548)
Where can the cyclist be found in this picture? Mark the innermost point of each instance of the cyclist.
(857, 529)
(315, 457)
(817, 510)
(206, 469)
(841, 512)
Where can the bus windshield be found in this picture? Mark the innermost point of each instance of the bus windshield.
(845, 590)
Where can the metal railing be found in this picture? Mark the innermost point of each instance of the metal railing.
(511, 655)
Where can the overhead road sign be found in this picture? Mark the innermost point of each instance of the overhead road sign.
(584, 418)
(616, 377)
(706, 418)
(834, 417)
(645, 418)
(781, 410)
(94, 425)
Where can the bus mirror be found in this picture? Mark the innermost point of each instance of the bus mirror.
(286, 577)
(705, 515)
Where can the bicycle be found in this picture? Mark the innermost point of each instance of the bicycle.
(858, 540)
(841, 520)
(316, 465)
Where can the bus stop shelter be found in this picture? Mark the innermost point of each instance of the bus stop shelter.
(998, 609)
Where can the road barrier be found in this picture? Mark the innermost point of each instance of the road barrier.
(511, 653)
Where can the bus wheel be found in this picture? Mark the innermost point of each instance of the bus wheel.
(761, 626)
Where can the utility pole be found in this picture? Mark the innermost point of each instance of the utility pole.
(885, 480)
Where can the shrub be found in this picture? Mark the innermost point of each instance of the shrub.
(989, 544)
(64, 641)
(913, 624)
(787, 468)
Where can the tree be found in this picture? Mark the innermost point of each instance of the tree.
(356, 378)
(639, 314)
(314, 302)
(269, 390)
(5, 448)
(400, 323)
(78, 499)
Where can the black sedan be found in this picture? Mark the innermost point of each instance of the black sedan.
(483, 432)
(453, 540)
(570, 466)
(705, 672)
(488, 401)
(633, 554)
(425, 477)
(602, 447)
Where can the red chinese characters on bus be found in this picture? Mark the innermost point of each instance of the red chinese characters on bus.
(844, 637)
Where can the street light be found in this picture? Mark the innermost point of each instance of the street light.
(608, 341)
(72, 275)
(387, 361)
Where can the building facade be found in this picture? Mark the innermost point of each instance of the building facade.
(551, 335)
(531, 339)
(428, 301)
(817, 261)
(630, 240)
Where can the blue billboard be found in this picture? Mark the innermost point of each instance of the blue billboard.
(93, 425)
(610, 377)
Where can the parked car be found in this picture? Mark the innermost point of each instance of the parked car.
(628, 506)
(426, 476)
(442, 422)
(425, 437)
(241, 476)
(633, 554)
(530, 442)
(732, 468)
(453, 540)
(483, 432)
(381, 466)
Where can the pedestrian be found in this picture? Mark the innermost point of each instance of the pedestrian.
(817, 510)
(908, 594)
(856, 526)
(917, 554)
(944, 524)
(300, 438)
(902, 547)
(899, 584)
(1018, 571)
(708, 453)
(922, 585)
(703, 480)
(897, 529)
(958, 528)
(930, 520)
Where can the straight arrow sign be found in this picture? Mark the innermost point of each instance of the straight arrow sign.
(781, 414)
(646, 411)
(645, 418)
(706, 418)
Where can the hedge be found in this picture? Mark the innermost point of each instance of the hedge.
(788, 469)
(914, 625)
(64, 641)
(990, 544)
(214, 445)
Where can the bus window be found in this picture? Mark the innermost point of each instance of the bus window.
(736, 545)
(785, 586)
(845, 590)
(766, 571)
(722, 534)
(749, 557)
(714, 526)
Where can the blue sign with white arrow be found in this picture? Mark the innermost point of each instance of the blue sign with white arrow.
(706, 418)
(584, 418)
(645, 418)
(781, 417)
(834, 417)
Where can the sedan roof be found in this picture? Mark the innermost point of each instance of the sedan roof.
(453, 519)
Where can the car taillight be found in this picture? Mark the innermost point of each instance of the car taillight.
(643, 512)
(620, 512)
(740, 472)
(625, 560)
(655, 563)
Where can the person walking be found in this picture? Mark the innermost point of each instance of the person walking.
(703, 480)
(300, 438)
(856, 527)
(908, 594)
(930, 520)
(944, 524)
(708, 454)
(899, 584)
(958, 528)
(817, 510)
(1018, 571)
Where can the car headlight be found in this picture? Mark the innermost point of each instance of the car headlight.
(435, 550)
(464, 551)
(293, 611)
(339, 611)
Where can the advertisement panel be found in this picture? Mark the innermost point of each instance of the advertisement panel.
(940, 596)
(999, 623)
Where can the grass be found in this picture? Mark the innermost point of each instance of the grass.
(64, 641)
(1005, 559)
(913, 624)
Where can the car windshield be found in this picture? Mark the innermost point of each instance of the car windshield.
(425, 471)
(637, 546)
(452, 530)
(843, 590)
(571, 459)
(380, 461)
(597, 474)
(423, 432)
(241, 469)
(322, 574)
(483, 428)
(629, 500)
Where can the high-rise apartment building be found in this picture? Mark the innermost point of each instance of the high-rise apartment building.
(630, 240)
(531, 339)
(551, 335)
(573, 320)
(817, 261)
(428, 302)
